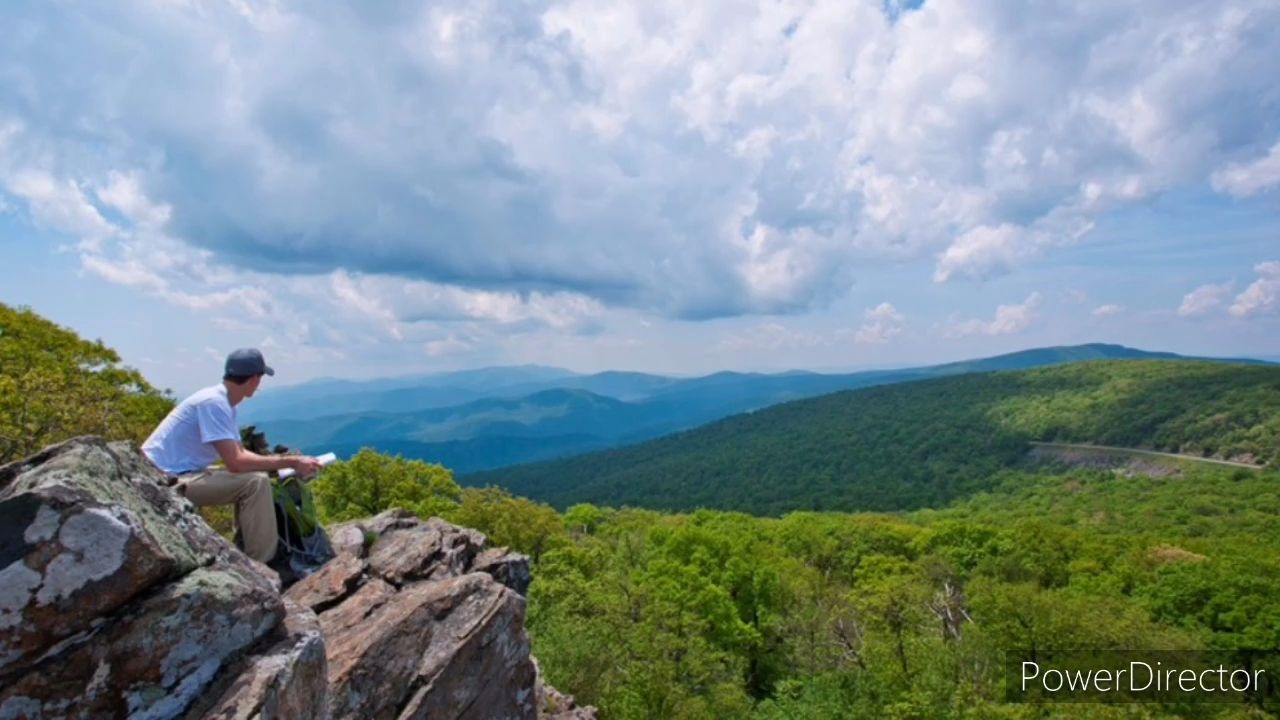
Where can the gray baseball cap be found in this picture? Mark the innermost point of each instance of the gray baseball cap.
(247, 361)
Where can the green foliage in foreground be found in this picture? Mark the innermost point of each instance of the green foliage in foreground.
(371, 482)
(920, 444)
(826, 615)
(716, 615)
(55, 385)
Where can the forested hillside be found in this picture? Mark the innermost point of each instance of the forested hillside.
(921, 444)
(828, 616)
(333, 397)
(479, 420)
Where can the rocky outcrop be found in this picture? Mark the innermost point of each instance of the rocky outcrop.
(412, 622)
(286, 680)
(117, 600)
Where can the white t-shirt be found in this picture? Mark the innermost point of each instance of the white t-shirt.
(183, 442)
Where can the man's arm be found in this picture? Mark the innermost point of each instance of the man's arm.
(239, 460)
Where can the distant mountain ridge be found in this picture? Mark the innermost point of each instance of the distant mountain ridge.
(920, 444)
(493, 417)
(330, 396)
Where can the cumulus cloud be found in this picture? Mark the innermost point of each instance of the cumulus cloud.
(447, 346)
(61, 206)
(123, 192)
(692, 160)
(1009, 319)
(396, 303)
(1107, 310)
(1262, 296)
(879, 324)
(983, 251)
(1203, 299)
(1250, 178)
(124, 238)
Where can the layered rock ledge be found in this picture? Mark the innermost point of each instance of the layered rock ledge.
(118, 600)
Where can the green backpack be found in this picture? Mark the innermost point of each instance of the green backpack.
(302, 541)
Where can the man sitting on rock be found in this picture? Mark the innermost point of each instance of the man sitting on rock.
(203, 429)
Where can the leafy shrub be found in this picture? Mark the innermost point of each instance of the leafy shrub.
(371, 482)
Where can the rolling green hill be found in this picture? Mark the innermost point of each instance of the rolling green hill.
(495, 417)
(920, 444)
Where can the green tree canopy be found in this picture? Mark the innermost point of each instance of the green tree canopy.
(371, 482)
(55, 385)
(520, 524)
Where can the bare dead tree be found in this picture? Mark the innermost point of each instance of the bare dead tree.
(849, 634)
(950, 606)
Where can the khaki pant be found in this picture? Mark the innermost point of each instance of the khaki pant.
(251, 493)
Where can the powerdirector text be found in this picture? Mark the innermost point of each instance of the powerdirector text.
(1158, 676)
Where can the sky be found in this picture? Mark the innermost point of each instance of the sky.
(375, 189)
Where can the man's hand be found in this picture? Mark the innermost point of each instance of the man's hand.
(305, 466)
(239, 460)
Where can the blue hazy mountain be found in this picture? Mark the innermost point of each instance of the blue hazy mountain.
(327, 396)
(493, 417)
(920, 444)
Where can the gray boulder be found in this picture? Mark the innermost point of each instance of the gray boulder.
(118, 600)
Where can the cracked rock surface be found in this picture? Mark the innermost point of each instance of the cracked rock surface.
(416, 628)
(118, 600)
